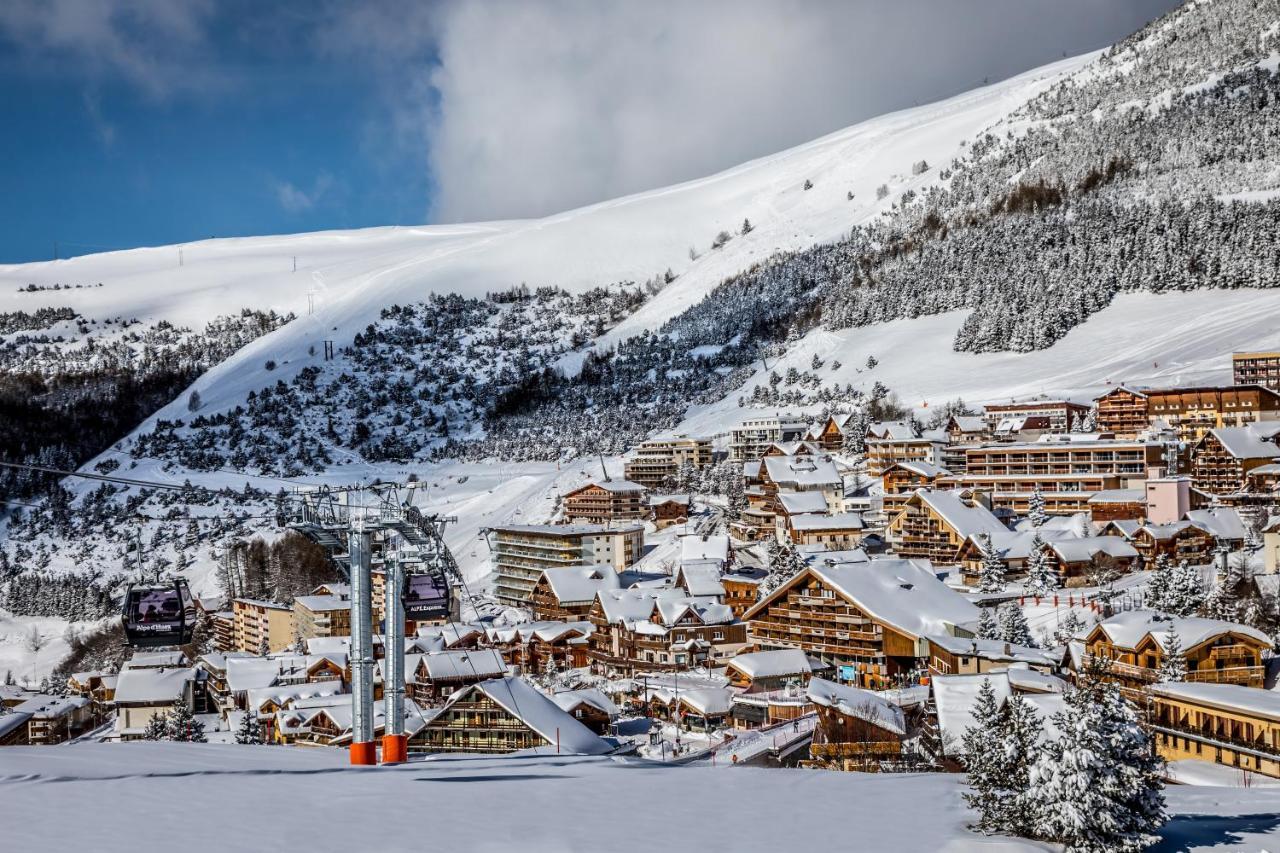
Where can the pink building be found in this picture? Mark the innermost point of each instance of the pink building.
(1168, 499)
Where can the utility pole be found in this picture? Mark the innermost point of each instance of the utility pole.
(179, 256)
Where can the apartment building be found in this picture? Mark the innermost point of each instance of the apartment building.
(1190, 412)
(606, 501)
(259, 625)
(522, 552)
(654, 461)
(752, 437)
(321, 616)
(1060, 415)
(1256, 368)
(1066, 455)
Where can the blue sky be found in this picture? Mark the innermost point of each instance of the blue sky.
(144, 122)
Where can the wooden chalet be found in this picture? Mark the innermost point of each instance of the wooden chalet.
(933, 524)
(950, 655)
(868, 619)
(54, 719)
(504, 715)
(590, 707)
(568, 593)
(1223, 723)
(897, 443)
(667, 510)
(1217, 652)
(838, 532)
(1189, 412)
(856, 729)
(742, 588)
(963, 431)
(1075, 559)
(1117, 505)
(652, 630)
(435, 675)
(605, 501)
(1222, 459)
(901, 480)
(535, 647)
(1176, 541)
(831, 435)
(760, 672)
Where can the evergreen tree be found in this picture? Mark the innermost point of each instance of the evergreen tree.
(157, 728)
(987, 629)
(1036, 511)
(1184, 593)
(1042, 580)
(249, 731)
(1012, 627)
(1157, 592)
(991, 575)
(981, 745)
(1173, 666)
(1097, 788)
(182, 724)
(1019, 747)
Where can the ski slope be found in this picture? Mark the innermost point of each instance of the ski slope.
(350, 276)
(211, 797)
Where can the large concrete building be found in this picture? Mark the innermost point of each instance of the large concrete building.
(521, 552)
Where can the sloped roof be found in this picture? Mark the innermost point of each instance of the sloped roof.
(925, 469)
(772, 664)
(1222, 522)
(904, 594)
(1118, 496)
(1129, 628)
(858, 703)
(1164, 532)
(141, 660)
(708, 701)
(955, 697)
(696, 548)
(802, 471)
(837, 521)
(539, 713)
(1016, 544)
(970, 423)
(570, 699)
(1077, 550)
(619, 486)
(817, 555)
(966, 520)
(708, 610)
(801, 503)
(1231, 697)
(152, 685)
(993, 650)
(1254, 441)
(683, 500)
(323, 603)
(44, 705)
(453, 664)
(579, 584)
(702, 579)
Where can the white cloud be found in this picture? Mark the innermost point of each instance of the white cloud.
(541, 106)
(294, 199)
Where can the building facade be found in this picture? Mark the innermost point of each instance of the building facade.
(522, 552)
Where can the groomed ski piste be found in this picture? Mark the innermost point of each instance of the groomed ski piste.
(216, 797)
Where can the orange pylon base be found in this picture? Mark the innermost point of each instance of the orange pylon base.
(395, 749)
(364, 753)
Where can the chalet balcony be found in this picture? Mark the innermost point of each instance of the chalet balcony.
(1220, 675)
(854, 750)
(1218, 738)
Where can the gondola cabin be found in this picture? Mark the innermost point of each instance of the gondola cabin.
(157, 615)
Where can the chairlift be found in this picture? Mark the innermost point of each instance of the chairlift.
(158, 615)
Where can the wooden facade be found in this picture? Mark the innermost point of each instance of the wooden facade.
(1256, 368)
(1176, 542)
(601, 503)
(1225, 724)
(475, 723)
(656, 461)
(1226, 657)
(1220, 470)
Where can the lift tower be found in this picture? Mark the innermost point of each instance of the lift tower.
(347, 530)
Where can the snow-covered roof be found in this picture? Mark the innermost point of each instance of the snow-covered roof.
(838, 521)
(158, 686)
(579, 584)
(970, 423)
(449, 634)
(702, 579)
(905, 594)
(683, 500)
(802, 503)
(1119, 496)
(707, 610)
(1253, 441)
(619, 486)
(1162, 532)
(43, 705)
(772, 664)
(708, 701)
(142, 660)
(1016, 544)
(1026, 680)
(1222, 522)
(965, 518)
(817, 555)
(548, 631)
(254, 672)
(1076, 550)
(539, 713)
(925, 469)
(570, 699)
(323, 603)
(1228, 697)
(697, 548)
(1127, 629)
(282, 694)
(859, 703)
(12, 720)
(992, 650)
(802, 471)
(454, 664)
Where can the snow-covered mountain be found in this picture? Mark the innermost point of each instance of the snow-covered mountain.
(1106, 218)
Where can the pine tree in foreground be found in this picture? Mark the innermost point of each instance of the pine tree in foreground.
(981, 743)
(1019, 747)
(182, 723)
(987, 629)
(1035, 509)
(1097, 788)
(991, 575)
(1013, 627)
(157, 728)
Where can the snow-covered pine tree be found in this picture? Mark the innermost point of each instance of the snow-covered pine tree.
(1042, 580)
(1157, 591)
(1035, 509)
(1184, 593)
(1012, 627)
(182, 724)
(991, 575)
(1019, 747)
(987, 629)
(249, 731)
(981, 745)
(1097, 788)
(1173, 666)
(157, 728)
